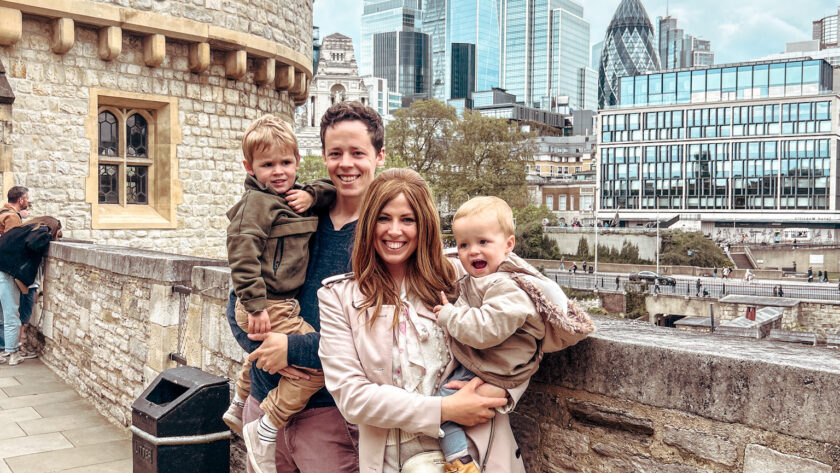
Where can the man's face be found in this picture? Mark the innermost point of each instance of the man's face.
(23, 203)
(350, 158)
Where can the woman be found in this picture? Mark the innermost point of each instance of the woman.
(384, 355)
(23, 248)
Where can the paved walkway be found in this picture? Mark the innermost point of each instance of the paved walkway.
(46, 427)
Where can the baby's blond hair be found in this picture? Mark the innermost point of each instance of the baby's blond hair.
(490, 206)
(266, 130)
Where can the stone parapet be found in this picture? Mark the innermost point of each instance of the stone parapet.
(634, 397)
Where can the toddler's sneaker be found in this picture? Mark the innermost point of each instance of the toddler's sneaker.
(260, 453)
(27, 355)
(15, 359)
(233, 416)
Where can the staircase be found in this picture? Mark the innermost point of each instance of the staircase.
(742, 257)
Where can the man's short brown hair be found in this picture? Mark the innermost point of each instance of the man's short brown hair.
(16, 193)
(266, 130)
(345, 111)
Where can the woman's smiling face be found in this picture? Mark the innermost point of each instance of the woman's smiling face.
(396, 234)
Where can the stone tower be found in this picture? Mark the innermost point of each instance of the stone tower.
(125, 122)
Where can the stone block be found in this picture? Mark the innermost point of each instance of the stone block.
(199, 58)
(648, 465)
(154, 50)
(285, 77)
(110, 42)
(236, 63)
(11, 26)
(264, 73)
(709, 447)
(608, 417)
(63, 35)
(162, 342)
(164, 305)
(760, 459)
(299, 87)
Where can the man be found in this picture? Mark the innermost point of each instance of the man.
(318, 438)
(15, 210)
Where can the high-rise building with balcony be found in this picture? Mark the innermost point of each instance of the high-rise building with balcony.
(545, 44)
(629, 49)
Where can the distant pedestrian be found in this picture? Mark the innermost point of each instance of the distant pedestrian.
(714, 273)
(781, 293)
(810, 274)
(825, 276)
(723, 289)
(574, 268)
(699, 285)
(563, 263)
(819, 276)
(617, 282)
(584, 266)
(656, 288)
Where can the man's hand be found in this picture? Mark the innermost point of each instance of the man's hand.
(299, 200)
(258, 322)
(271, 355)
(24, 213)
(444, 302)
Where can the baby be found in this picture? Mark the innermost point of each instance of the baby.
(507, 315)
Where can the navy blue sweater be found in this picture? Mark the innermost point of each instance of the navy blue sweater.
(330, 255)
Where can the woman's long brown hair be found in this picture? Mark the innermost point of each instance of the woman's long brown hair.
(427, 273)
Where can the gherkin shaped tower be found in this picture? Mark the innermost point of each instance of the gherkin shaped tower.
(629, 49)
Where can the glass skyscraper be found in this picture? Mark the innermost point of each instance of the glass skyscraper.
(463, 22)
(629, 49)
(545, 45)
(403, 59)
(384, 16)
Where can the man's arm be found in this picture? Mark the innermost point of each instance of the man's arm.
(303, 350)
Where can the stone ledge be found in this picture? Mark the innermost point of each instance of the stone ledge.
(133, 262)
(761, 384)
(99, 14)
(211, 281)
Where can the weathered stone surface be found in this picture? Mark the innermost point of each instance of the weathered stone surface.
(647, 465)
(718, 378)
(760, 459)
(710, 447)
(611, 418)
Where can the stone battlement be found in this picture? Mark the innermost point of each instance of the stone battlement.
(632, 397)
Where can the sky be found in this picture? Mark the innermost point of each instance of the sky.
(739, 30)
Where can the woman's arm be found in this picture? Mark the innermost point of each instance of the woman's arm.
(362, 401)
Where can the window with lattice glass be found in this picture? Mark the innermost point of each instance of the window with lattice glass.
(125, 163)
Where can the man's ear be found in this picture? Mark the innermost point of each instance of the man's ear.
(380, 158)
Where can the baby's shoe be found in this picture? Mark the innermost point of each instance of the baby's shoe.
(233, 416)
(260, 453)
(461, 465)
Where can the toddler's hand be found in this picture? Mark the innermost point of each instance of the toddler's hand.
(258, 322)
(444, 302)
(299, 200)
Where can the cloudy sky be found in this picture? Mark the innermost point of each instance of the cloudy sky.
(738, 29)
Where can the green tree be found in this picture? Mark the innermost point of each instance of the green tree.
(530, 240)
(311, 167)
(419, 136)
(691, 249)
(583, 248)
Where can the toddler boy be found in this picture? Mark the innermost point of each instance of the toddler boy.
(268, 252)
(507, 315)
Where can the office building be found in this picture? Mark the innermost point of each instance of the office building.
(595, 57)
(677, 49)
(498, 103)
(752, 145)
(385, 16)
(380, 98)
(629, 49)
(465, 47)
(316, 48)
(545, 44)
(403, 58)
(826, 31)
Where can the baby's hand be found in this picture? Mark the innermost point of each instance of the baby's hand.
(258, 322)
(444, 301)
(299, 200)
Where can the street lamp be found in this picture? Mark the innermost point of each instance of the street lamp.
(657, 239)
(595, 214)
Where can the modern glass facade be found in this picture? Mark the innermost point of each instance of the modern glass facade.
(403, 59)
(735, 82)
(384, 16)
(629, 50)
(463, 70)
(434, 24)
(545, 46)
(763, 138)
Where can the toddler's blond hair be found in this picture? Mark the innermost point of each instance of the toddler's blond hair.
(490, 206)
(266, 130)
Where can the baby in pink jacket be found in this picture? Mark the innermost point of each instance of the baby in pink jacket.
(507, 314)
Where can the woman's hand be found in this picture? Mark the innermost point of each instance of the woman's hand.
(466, 407)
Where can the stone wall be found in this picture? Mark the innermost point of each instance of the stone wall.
(638, 398)
(50, 150)
(633, 397)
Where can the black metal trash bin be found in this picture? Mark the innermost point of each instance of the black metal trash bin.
(177, 424)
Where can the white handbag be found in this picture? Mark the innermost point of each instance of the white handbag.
(425, 462)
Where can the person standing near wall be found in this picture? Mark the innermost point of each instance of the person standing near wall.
(15, 210)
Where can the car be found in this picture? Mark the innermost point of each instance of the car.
(651, 276)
